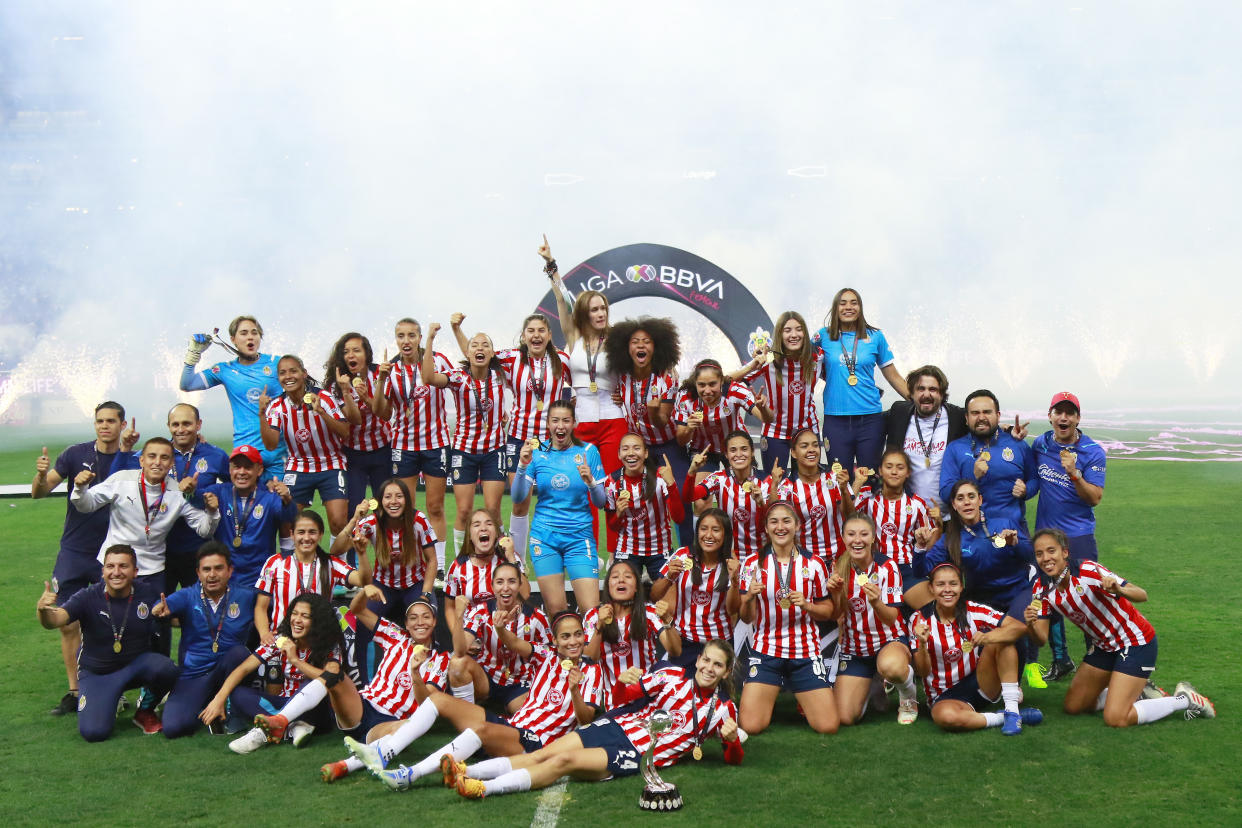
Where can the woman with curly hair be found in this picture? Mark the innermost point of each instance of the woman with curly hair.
(312, 686)
(368, 449)
(643, 354)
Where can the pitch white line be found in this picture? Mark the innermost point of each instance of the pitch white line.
(550, 802)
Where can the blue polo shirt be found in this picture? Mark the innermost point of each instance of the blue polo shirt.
(210, 463)
(1011, 460)
(99, 614)
(1059, 506)
(840, 398)
(201, 623)
(259, 518)
(988, 571)
(83, 535)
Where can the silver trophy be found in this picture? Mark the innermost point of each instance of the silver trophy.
(657, 794)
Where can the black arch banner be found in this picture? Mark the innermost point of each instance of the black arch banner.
(667, 273)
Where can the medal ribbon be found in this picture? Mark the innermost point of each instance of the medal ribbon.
(540, 370)
(146, 510)
(782, 576)
(116, 636)
(923, 446)
(591, 357)
(475, 388)
(242, 516)
(215, 638)
(640, 396)
(699, 732)
(851, 359)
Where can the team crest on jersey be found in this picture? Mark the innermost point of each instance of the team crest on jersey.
(143, 610)
(267, 370)
(258, 510)
(81, 702)
(818, 512)
(303, 435)
(163, 508)
(806, 572)
(556, 696)
(1007, 454)
(560, 482)
(578, 458)
(909, 509)
(526, 629)
(1080, 589)
(234, 610)
(796, 387)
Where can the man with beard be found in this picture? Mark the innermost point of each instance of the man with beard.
(995, 458)
(923, 426)
(250, 514)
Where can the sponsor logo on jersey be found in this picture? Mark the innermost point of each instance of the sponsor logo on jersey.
(560, 482)
(796, 387)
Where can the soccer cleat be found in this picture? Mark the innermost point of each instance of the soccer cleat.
(274, 726)
(368, 755)
(1200, 705)
(471, 788)
(908, 712)
(1031, 716)
(333, 771)
(1012, 726)
(1059, 670)
(1151, 690)
(148, 722)
(1034, 675)
(122, 704)
(299, 732)
(397, 779)
(253, 739)
(68, 704)
(451, 769)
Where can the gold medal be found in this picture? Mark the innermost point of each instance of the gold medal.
(359, 383)
(372, 504)
(237, 542)
(837, 468)
(281, 641)
(1038, 604)
(419, 649)
(309, 399)
(215, 646)
(985, 456)
(539, 405)
(785, 603)
(594, 387)
(998, 541)
(967, 646)
(116, 646)
(863, 578)
(852, 380)
(567, 665)
(697, 753)
(927, 462)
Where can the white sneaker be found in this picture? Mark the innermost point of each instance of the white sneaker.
(299, 732)
(1200, 705)
(367, 754)
(908, 712)
(249, 742)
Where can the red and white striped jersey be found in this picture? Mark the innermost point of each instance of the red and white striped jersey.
(701, 615)
(821, 521)
(791, 399)
(532, 382)
(644, 525)
(950, 663)
(895, 522)
(745, 509)
(1111, 621)
(862, 634)
(419, 411)
(285, 578)
(480, 411)
(312, 445)
(548, 711)
(785, 633)
(397, 574)
(728, 414)
(672, 690)
(291, 678)
(635, 395)
(472, 578)
(626, 653)
(391, 689)
(498, 661)
(372, 433)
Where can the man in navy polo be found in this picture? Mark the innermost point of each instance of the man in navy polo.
(250, 514)
(216, 617)
(117, 625)
(1002, 464)
(1071, 473)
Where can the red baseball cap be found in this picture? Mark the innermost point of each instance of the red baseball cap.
(1064, 396)
(249, 452)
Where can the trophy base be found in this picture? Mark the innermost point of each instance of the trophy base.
(666, 798)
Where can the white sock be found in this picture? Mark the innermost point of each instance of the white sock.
(463, 747)
(305, 700)
(286, 544)
(905, 690)
(440, 555)
(1101, 699)
(465, 692)
(741, 634)
(490, 768)
(993, 719)
(401, 738)
(1012, 694)
(353, 763)
(459, 540)
(1150, 710)
(511, 782)
(519, 527)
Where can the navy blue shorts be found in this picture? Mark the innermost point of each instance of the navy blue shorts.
(66, 589)
(488, 466)
(967, 690)
(431, 463)
(504, 693)
(862, 666)
(610, 737)
(690, 652)
(513, 450)
(909, 578)
(529, 739)
(303, 485)
(651, 564)
(371, 717)
(797, 674)
(1012, 603)
(1133, 661)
